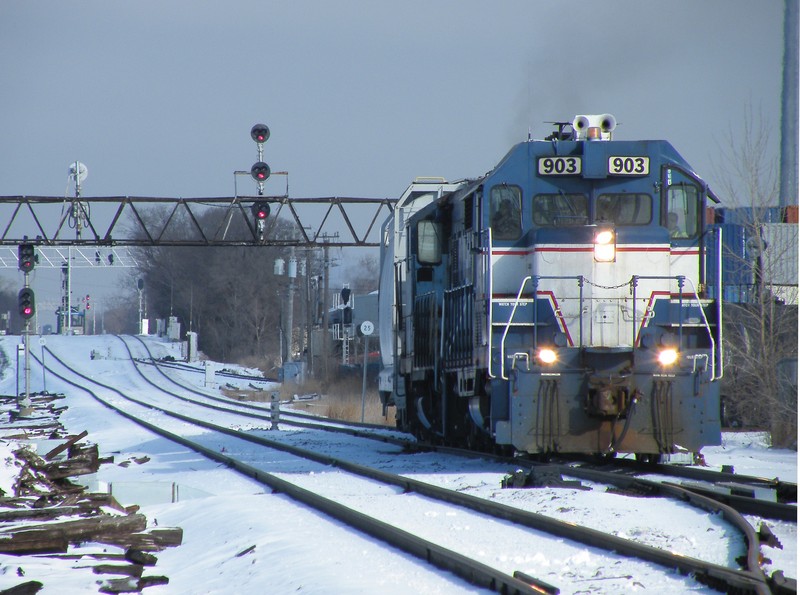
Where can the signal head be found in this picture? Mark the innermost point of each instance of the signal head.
(259, 133)
(27, 257)
(260, 211)
(260, 171)
(27, 304)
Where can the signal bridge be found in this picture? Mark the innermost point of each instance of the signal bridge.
(76, 257)
(114, 221)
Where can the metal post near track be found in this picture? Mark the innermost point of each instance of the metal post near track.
(20, 349)
(42, 343)
(24, 408)
(366, 329)
(274, 409)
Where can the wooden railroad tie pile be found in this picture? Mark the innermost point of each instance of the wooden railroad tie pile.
(48, 513)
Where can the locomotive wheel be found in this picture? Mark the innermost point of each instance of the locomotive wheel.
(604, 457)
(648, 458)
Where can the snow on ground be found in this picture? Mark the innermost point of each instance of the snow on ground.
(224, 514)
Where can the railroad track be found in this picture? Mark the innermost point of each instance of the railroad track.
(462, 566)
(758, 496)
(747, 581)
(732, 493)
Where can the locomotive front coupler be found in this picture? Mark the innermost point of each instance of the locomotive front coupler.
(609, 396)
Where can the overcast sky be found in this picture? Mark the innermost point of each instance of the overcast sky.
(158, 97)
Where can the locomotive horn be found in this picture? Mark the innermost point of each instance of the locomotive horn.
(580, 123)
(607, 122)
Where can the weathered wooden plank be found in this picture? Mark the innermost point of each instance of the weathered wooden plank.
(120, 585)
(22, 514)
(40, 543)
(141, 541)
(151, 581)
(167, 536)
(131, 585)
(140, 557)
(101, 528)
(27, 588)
(62, 447)
(134, 570)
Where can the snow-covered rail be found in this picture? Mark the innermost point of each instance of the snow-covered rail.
(786, 491)
(710, 573)
(468, 569)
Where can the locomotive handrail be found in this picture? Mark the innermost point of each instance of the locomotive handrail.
(508, 325)
(490, 279)
(710, 335)
(719, 303)
(581, 281)
(681, 279)
(537, 278)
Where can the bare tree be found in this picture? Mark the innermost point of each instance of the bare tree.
(365, 275)
(760, 330)
(227, 294)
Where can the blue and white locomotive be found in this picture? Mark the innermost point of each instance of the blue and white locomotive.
(558, 304)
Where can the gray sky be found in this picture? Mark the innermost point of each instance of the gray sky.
(158, 98)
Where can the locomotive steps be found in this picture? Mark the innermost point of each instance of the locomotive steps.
(44, 513)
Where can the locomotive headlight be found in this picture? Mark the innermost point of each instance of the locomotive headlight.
(605, 249)
(667, 357)
(547, 356)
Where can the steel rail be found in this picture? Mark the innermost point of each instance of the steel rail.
(348, 425)
(751, 581)
(263, 412)
(462, 566)
(741, 504)
(786, 491)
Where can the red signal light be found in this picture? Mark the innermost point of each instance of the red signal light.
(27, 303)
(27, 257)
(260, 211)
(259, 133)
(260, 171)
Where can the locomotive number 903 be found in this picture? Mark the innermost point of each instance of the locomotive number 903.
(559, 166)
(629, 166)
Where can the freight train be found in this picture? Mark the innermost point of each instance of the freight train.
(561, 303)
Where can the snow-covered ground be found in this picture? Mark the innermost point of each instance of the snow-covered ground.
(224, 514)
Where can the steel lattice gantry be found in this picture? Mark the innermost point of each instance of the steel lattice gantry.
(221, 221)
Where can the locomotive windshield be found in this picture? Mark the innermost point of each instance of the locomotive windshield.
(506, 212)
(683, 208)
(429, 245)
(560, 210)
(624, 209)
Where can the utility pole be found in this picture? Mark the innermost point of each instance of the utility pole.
(308, 347)
(290, 305)
(326, 340)
(140, 288)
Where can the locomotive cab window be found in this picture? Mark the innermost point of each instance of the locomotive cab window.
(624, 209)
(682, 217)
(429, 246)
(560, 210)
(506, 212)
